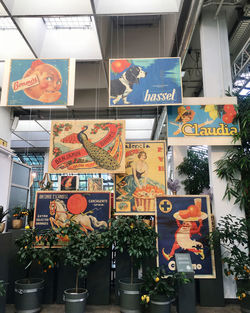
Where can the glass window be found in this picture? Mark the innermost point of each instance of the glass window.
(20, 175)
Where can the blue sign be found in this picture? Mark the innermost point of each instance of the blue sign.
(149, 82)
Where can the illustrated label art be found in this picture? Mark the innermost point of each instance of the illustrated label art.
(183, 225)
(145, 178)
(145, 82)
(87, 147)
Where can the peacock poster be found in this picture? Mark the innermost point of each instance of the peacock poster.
(87, 146)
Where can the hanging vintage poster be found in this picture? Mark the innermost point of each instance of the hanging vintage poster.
(183, 224)
(68, 182)
(145, 82)
(81, 146)
(38, 82)
(95, 184)
(145, 178)
(209, 124)
(91, 210)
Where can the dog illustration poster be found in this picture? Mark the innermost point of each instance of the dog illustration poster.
(36, 82)
(91, 210)
(68, 182)
(87, 147)
(95, 184)
(201, 124)
(145, 178)
(145, 82)
(183, 224)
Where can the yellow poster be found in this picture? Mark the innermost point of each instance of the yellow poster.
(87, 146)
(145, 178)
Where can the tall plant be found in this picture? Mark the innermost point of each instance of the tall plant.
(195, 168)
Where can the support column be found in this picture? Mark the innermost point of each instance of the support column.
(216, 71)
(5, 122)
(179, 153)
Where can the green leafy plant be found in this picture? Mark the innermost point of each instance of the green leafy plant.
(156, 282)
(133, 235)
(19, 212)
(30, 214)
(2, 213)
(37, 247)
(2, 288)
(231, 232)
(82, 249)
(195, 167)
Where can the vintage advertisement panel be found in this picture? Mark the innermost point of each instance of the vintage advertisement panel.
(201, 124)
(95, 184)
(56, 208)
(145, 178)
(68, 182)
(183, 224)
(81, 146)
(145, 82)
(38, 82)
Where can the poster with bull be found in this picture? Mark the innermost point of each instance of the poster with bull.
(38, 82)
(81, 146)
(183, 224)
(91, 210)
(145, 82)
(145, 178)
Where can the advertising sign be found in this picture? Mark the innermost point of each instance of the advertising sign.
(201, 124)
(145, 178)
(95, 184)
(68, 182)
(87, 146)
(38, 82)
(145, 82)
(91, 210)
(183, 224)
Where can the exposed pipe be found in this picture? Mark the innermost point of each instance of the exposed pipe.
(218, 9)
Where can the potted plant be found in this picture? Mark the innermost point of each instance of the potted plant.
(2, 215)
(17, 217)
(232, 232)
(34, 248)
(132, 235)
(173, 185)
(79, 252)
(160, 290)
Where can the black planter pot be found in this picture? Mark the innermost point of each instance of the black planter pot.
(245, 302)
(160, 304)
(28, 295)
(130, 295)
(75, 302)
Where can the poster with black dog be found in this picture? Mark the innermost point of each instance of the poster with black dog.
(145, 82)
(184, 224)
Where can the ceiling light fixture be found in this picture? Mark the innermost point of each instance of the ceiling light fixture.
(68, 22)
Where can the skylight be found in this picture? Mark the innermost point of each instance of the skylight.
(6, 23)
(68, 22)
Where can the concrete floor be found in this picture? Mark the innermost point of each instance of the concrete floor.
(58, 308)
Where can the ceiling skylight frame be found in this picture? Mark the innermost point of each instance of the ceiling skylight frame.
(6, 23)
(69, 22)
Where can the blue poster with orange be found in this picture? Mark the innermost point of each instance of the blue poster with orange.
(145, 82)
(91, 210)
(38, 82)
(183, 224)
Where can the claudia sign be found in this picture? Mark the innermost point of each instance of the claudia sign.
(40, 82)
(87, 147)
(183, 225)
(150, 82)
(209, 124)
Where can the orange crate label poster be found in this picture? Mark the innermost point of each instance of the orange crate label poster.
(145, 178)
(87, 147)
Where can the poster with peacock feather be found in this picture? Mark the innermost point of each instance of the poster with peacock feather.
(145, 178)
(81, 146)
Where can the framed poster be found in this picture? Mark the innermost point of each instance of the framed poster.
(145, 177)
(55, 208)
(209, 124)
(183, 224)
(68, 182)
(95, 184)
(87, 146)
(145, 82)
(38, 82)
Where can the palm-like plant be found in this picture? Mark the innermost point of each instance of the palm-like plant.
(2, 213)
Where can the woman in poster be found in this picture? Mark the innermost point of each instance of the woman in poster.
(186, 115)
